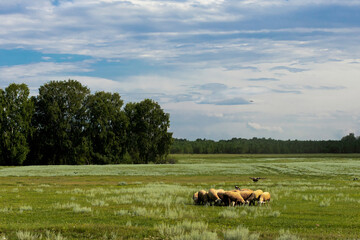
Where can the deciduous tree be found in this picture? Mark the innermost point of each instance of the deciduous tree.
(147, 134)
(16, 110)
(60, 120)
(106, 128)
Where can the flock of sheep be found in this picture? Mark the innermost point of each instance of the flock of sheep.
(234, 197)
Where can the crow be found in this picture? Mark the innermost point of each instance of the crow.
(255, 179)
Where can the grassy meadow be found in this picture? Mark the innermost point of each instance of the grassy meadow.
(313, 197)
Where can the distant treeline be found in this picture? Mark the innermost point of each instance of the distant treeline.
(66, 124)
(348, 144)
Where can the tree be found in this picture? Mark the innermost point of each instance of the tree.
(60, 121)
(16, 110)
(147, 134)
(106, 129)
(349, 143)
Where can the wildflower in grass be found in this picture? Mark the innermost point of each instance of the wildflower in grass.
(240, 233)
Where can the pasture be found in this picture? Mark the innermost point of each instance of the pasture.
(313, 197)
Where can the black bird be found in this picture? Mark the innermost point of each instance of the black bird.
(255, 179)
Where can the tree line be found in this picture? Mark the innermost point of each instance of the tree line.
(67, 124)
(348, 144)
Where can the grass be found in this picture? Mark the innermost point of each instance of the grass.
(312, 197)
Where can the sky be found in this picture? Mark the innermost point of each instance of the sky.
(282, 69)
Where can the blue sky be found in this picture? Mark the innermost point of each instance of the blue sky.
(221, 68)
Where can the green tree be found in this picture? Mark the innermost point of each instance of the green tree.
(60, 121)
(16, 110)
(106, 129)
(147, 134)
(349, 143)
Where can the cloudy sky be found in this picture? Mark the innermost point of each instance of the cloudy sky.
(285, 69)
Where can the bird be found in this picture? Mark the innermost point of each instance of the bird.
(255, 179)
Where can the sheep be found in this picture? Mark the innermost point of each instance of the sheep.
(232, 198)
(213, 196)
(196, 198)
(247, 195)
(255, 197)
(264, 197)
(203, 197)
(223, 198)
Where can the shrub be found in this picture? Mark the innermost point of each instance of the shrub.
(25, 208)
(275, 214)
(49, 235)
(228, 214)
(197, 235)
(325, 203)
(240, 233)
(78, 209)
(286, 235)
(25, 235)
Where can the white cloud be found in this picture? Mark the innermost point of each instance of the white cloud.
(40, 69)
(257, 126)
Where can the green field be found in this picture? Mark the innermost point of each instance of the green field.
(313, 197)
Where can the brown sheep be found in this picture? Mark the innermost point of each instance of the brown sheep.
(213, 196)
(255, 197)
(265, 197)
(203, 197)
(232, 198)
(223, 198)
(247, 195)
(196, 198)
